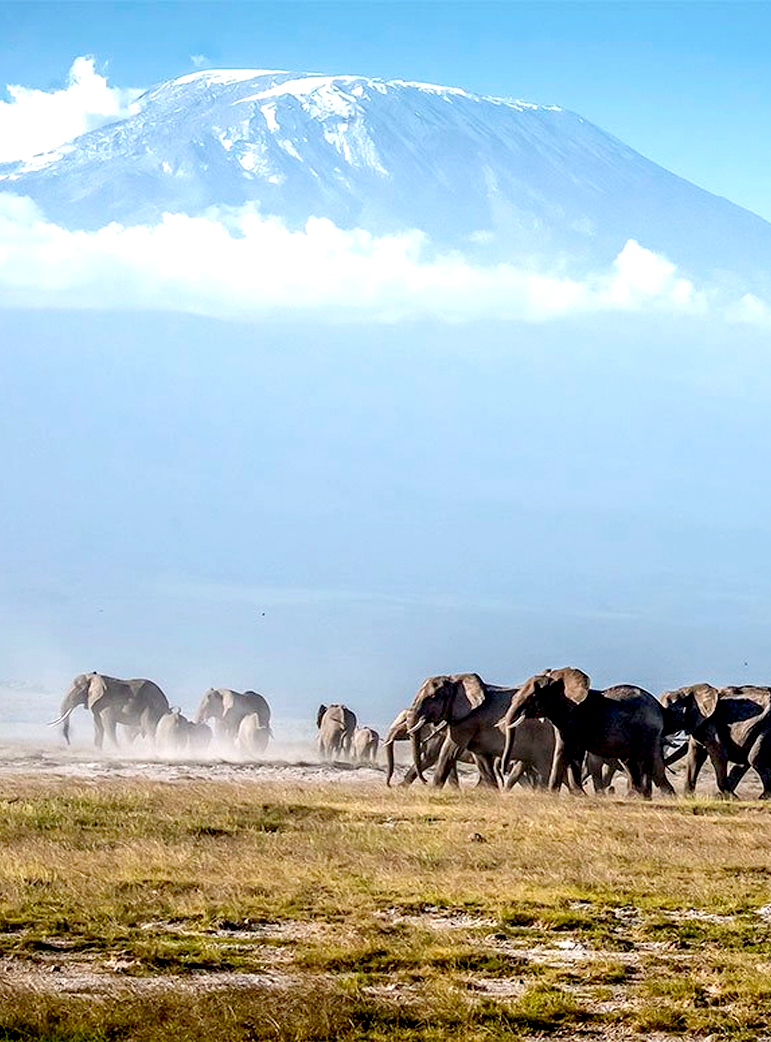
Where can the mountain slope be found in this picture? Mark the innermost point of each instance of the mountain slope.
(498, 178)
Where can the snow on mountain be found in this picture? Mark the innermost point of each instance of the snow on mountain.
(498, 178)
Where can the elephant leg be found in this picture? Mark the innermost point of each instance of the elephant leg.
(697, 757)
(659, 772)
(574, 776)
(720, 765)
(559, 765)
(109, 726)
(487, 776)
(760, 759)
(98, 730)
(646, 772)
(597, 774)
(636, 776)
(447, 759)
(426, 761)
(735, 775)
(764, 773)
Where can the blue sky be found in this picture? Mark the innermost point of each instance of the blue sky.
(687, 84)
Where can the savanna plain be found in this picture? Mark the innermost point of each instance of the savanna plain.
(256, 905)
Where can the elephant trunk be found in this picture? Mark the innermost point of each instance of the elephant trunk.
(389, 752)
(75, 697)
(502, 763)
(416, 744)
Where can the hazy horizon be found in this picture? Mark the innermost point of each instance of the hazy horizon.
(333, 513)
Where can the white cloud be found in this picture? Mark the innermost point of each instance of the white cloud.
(36, 121)
(751, 310)
(241, 265)
(199, 60)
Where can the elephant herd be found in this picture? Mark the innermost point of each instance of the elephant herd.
(242, 718)
(556, 729)
(552, 730)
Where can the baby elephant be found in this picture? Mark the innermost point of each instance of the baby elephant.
(364, 745)
(174, 733)
(252, 738)
(199, 737)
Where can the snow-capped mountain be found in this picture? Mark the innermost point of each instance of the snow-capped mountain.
(495, 177)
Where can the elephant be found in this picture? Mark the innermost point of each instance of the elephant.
(199, 737)
(728, 725)
(229, 708)
(171, 732)
(472, 711)
(364, 745)
(252, 737)
(532, 750)
(175, 733)
(336, 725)
(136, 704)
(624, 722)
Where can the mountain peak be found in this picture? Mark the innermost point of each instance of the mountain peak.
(494, 177)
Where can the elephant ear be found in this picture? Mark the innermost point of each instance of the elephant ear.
(97, 688)
(469, 694)
(575, 681)
(705, 697)
(320, 715)
(228, 701)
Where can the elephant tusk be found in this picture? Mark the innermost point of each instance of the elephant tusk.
(61, 719)
(417, 726)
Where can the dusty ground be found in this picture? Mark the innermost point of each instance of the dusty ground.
(292, 900)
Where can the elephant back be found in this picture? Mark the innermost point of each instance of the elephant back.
(254, 702)
(151, 695)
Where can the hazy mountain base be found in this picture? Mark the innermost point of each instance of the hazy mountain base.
(137, 909)
(334, 513)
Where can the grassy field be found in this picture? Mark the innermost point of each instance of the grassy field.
(237, 910)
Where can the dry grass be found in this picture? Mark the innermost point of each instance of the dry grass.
(368, 913)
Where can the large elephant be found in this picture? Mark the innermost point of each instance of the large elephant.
(135, 704)
(728, 725)
(624, 723)
(472, 711)
(336, 725)
(229, 708)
